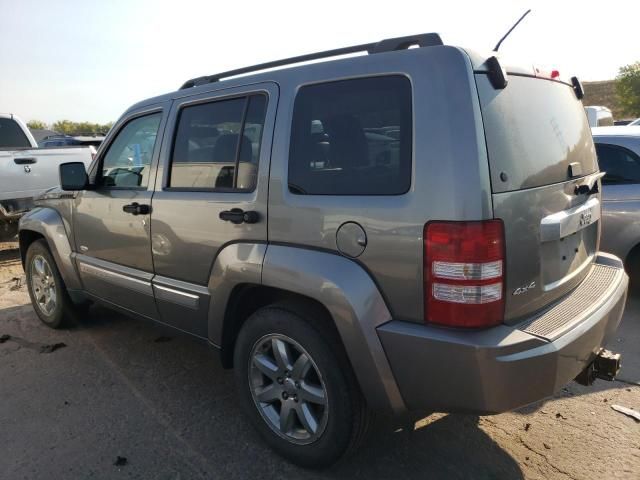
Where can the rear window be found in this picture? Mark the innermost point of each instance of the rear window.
(11, 135)
(352, 137)
(534, 129)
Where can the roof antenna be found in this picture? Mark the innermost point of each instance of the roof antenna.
(495, 49)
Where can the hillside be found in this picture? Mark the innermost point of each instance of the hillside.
(603, 93)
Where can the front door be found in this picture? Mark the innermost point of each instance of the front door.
(111, 221)
(211, 192)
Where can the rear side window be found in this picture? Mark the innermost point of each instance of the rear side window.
(352, 137)
(11, 135)
(622, 166)
(217, 145)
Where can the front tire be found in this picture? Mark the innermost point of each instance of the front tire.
(297, 388)
(48, 294)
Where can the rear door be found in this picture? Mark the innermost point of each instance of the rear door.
(544, 178)
(211, 192)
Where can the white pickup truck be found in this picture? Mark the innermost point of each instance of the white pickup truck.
(26, 170)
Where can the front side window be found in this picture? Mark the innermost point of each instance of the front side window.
(217, 145)
(352, 137)
(128, 160)
(621, 165)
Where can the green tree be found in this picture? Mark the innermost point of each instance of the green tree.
(628, 89)
(66, 127)
(36, 125)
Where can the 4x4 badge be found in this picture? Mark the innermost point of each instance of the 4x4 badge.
(524, 289)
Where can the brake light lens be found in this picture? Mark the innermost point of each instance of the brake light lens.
(543, 73)
(464, 273)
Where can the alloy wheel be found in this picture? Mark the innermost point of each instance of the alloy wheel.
(43, 285)
(288, 389)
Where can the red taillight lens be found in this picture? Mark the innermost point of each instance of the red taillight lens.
(464, 273)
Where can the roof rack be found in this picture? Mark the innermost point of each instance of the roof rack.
(387, 45)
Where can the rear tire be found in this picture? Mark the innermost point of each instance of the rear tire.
(48, 293)
(307, 406)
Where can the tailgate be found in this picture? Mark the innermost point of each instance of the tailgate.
(540, 153)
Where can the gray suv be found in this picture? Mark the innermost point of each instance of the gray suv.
(411, 229)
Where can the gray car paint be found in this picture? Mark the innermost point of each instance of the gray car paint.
(533, 192)
(48, 223)
(355, 304)
(492, 371)
(443, 159)
(620, 203)
(299, 252)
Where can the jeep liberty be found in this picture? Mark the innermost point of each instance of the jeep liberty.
(409, 229)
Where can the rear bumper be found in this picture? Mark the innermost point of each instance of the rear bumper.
(505, 367)
(13, 209)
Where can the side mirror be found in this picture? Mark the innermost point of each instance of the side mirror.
(73, 176)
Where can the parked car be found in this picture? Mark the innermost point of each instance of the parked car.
(635, 123)
(618, 150)
(353, 236)
(66, 140)
(26, 170)
(599, 116)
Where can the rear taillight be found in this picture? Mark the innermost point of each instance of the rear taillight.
(464, 273)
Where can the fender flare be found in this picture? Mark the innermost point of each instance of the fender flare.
(48, 223)
(355, 304)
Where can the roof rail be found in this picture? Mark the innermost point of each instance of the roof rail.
(387, 45)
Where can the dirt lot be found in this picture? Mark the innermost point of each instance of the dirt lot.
(126, 399)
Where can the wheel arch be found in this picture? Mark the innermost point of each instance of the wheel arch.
(338, 289)
(245, 299)
(47, 224)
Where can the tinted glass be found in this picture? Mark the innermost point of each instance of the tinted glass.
(127, 162)
(211, 140)
(352, 137)
(250, 150)
(622, 166)
(11, 135)
(534, 129)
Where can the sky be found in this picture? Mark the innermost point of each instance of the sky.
(90, 60)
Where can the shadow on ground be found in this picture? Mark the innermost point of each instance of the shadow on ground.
(133, 389)
(9, 256)
(138, 390)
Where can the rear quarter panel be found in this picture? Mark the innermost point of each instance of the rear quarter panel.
(450, 177)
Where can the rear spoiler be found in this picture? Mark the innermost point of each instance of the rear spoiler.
(499, 79)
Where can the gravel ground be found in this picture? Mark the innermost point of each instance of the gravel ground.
(128, 399)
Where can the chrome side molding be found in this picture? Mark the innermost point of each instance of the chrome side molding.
(178, 297)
